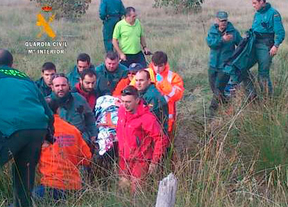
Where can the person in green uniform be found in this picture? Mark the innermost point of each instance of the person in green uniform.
(74, 108)
(24, 123)
(268, 28)
(109, 74)
(110, 12)
(45, 82)
(222, 39)
(152, 97)
(83, 62)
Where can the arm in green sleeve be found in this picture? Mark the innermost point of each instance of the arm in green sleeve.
(238, 37)
(214, 41)
(102, 10)
(122, 10)
(278, 29)
(90, 121)
(47, 109)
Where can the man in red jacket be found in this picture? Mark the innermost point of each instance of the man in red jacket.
(86, 87)
(141, 140)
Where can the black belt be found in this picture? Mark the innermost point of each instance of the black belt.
(264, 35)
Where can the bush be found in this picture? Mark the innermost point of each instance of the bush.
(180, 5)
(69, 9)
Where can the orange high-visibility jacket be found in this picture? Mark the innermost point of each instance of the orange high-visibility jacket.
(59, 161)
(120, 86)
(172, 88)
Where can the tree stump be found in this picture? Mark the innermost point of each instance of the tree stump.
(166, 196)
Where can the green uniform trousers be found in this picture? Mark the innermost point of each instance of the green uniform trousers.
(24, 147)
(218, 81)
(108, 27)
(260, 54)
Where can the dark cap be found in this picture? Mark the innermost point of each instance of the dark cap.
(135, 67)
(222, 15)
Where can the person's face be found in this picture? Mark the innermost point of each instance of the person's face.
(131, 75)
(88, 83)
(82, 65)
(130, 103)
(159, 68)
(60, 86)
(47, 76)
(258, 4)
(222, 24)
(111, 65)
(131, 18)
(142, 82)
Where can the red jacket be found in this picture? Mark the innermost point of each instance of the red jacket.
(90, 97)
(59, 161)
(140, 136)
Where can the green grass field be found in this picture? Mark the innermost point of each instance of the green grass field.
(237, 159)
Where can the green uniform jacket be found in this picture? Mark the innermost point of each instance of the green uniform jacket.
(268, 21)
(45, 90)
(22, 105)
(75, 110)
(111, 8)
(157, 104)
(74, 76)
(220, 51)
(107, 81)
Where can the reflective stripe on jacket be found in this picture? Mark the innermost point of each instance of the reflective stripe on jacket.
(172, 87)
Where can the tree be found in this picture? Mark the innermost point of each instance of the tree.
(180, 5)
(69, 9)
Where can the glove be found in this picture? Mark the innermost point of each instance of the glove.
(159, 77)
(50, 136)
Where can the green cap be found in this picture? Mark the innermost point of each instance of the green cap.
(222, 15)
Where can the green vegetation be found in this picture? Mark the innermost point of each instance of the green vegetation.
(180, 5)
(69, 9)
(236, 159)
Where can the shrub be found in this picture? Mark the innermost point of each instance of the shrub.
(180, 5)
(69, 9)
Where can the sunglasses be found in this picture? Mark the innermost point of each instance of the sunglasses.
(130, 92)
(132, 73)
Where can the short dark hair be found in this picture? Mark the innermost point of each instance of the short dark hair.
(262, 0)
(57, 75)
(6, 58)
(48, 66)
(159, 58)
(128, 10)
(130, 90)
(90, 72)
(146, 72)
(84, 58)
(112, 55)
(52, 103)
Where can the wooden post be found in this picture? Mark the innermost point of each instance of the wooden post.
(167, 192)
